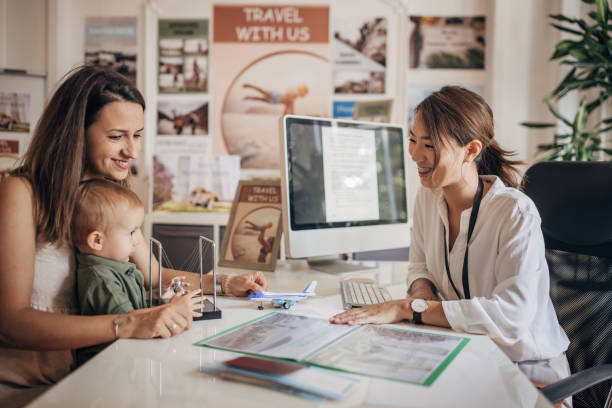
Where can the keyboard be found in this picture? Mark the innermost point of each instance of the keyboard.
(361, 293)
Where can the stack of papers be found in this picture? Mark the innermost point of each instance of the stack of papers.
(313, 383)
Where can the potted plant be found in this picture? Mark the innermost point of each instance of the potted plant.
(589, 55)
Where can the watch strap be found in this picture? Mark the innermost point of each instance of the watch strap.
(416, 317)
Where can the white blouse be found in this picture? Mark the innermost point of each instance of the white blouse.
(508, 274)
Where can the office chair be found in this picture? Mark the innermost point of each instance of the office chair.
(574, 200)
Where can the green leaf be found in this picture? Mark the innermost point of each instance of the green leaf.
(607, 151)
(557, 114)
(544, 147)
(537, 124)
(580, 118)
(561, 17)
(568, 78)
(602, 12)
(589, 1)
(563, 136)
(579, 54)
(567, 30)
(563, 48)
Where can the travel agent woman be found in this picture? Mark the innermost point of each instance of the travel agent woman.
(476, 241)
(90, 128)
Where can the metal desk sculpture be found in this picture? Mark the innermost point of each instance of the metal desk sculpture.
(209, 310)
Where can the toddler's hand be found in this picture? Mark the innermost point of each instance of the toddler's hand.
(187, 305)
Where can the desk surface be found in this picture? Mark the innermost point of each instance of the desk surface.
(161, 372)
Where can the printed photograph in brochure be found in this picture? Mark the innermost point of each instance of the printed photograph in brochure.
(360, 55)
(182, 118)
(14, 112)
(112, 42)
(252, 236)
(447, 42)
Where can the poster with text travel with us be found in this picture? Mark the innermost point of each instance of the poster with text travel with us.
(269, 60)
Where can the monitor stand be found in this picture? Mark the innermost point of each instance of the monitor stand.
(336, 265)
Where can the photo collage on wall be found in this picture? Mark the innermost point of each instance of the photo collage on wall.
(187, 176)
(183, 56)
(360, 76)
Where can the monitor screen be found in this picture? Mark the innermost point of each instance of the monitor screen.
(343, 175)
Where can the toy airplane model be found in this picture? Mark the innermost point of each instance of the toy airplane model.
(284, 300)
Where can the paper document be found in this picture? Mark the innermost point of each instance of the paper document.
(279, 335)
(391, 353)
(387, 352)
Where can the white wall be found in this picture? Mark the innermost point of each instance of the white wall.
(23, 28)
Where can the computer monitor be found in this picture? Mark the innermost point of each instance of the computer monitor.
(343, 186)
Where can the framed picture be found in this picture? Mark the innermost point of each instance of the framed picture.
(253, 233)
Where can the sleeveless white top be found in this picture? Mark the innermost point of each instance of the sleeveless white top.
(54, 290)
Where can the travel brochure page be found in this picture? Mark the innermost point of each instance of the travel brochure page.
(279, 335)
(376, 351)
(391, 353)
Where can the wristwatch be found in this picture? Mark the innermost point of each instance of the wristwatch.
(418, 306)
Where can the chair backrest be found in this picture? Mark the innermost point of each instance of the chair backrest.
(574, 200)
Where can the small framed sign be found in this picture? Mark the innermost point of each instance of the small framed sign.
(253, 233)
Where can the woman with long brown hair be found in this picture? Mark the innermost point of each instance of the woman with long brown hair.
(91, 128)
(477, 260)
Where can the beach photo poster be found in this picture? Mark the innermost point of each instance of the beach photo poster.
(183, 56)
(449, 42)
(112, 42)
(253, 233)
(359, 54)
(269, 61)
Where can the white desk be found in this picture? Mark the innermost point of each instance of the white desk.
(155, 373)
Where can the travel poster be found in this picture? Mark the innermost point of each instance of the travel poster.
(447, 42)
(112, 42)
(270, 60)
(360, 54)
(14, 112)
(252, 236)
(183, 56)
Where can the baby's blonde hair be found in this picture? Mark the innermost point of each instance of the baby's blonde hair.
(302, 89)
(97, 205)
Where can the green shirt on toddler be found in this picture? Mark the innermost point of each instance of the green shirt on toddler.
(109, 287)
(105, 286)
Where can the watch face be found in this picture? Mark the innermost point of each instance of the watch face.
(419, 305)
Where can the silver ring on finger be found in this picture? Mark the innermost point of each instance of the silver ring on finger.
(173, 327)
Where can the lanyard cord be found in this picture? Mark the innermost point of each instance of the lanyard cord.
(473, 215)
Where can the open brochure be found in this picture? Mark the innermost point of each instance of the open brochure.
(388, 352)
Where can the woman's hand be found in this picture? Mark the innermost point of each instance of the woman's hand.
(163, 321)
(242, 285)
(387, 312)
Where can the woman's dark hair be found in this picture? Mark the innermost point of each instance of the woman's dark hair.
(56, 158)
(463, 115)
